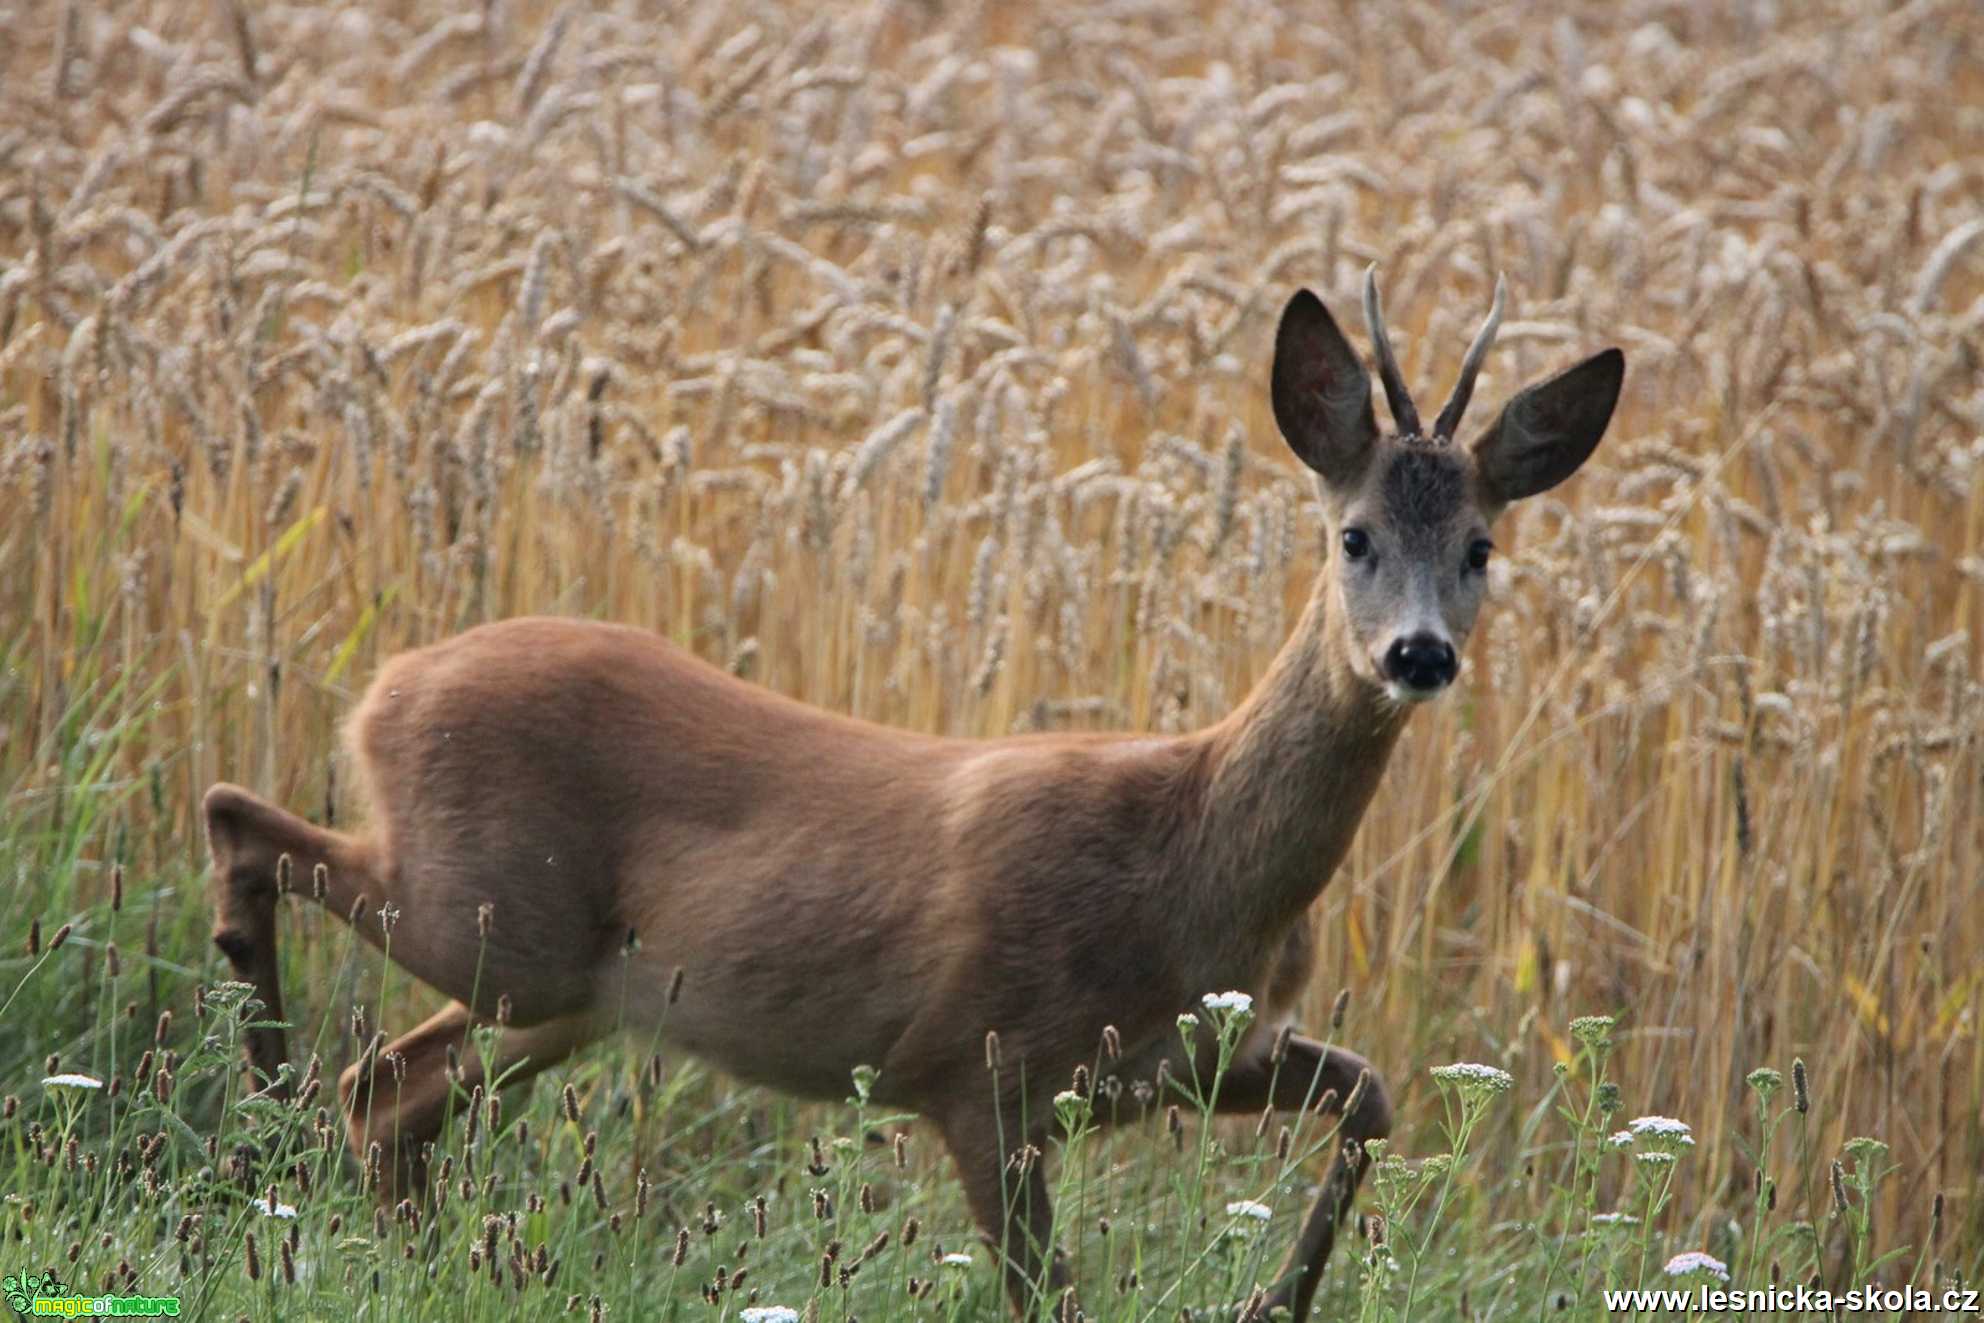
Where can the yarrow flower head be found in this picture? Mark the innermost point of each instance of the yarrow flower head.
(1865, 1151)
(1187, 1023)
(269, 1208)
(956, 1260)
(864, 1083)
(1473, 1080)
(1238, 1002)
(1694, 1261)
(71, 1080)
(770, 1314)
(1614, 1220)
(229, 993)
(1654, 1163)
(1592, 1030)
(1765, 1081)
(1663, 1134)
(1619, 1139)
(1260, 1212)
(1390, 1171)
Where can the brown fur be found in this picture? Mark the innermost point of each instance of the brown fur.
(592, 781)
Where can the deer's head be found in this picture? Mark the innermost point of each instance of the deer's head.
(1409, 513)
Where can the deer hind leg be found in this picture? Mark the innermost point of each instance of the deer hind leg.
(400, 1097)
(1310, 1073)
(1009, 1200)
(247, 836)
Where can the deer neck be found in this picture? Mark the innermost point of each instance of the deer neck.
(1288, 775)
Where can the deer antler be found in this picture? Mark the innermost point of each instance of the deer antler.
(1470, 367)
(1403, 414)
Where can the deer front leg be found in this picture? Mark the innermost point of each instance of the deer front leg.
(1007, 1191)
(400, 1097)
(1310, 1074)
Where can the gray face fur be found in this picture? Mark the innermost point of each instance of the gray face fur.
(1409, 516)
(1419, 576)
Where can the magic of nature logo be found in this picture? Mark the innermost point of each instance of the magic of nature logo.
(48, 1296)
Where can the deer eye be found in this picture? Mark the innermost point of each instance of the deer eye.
(1356, 543)
(1477, 554)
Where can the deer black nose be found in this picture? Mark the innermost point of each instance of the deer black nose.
(1421, 662)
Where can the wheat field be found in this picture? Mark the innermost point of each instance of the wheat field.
(910, 358)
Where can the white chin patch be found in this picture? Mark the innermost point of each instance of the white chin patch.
(1405, 693)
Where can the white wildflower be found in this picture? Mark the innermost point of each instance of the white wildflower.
(1619, 1139)
(1615, 1219)
(71, 1080)
(1696, 1261)
(1663, 1133)
(1865, 1151)
(1471, 1077)
(1662, 1125)
(1228, 1001)
(956, 1260)
(1260, 1212)
(769, 1314)
(269, 1208)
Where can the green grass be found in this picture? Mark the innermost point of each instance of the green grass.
(1486, 1204)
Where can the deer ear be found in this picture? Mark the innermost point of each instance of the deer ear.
(1548, 430)
(1321, 392)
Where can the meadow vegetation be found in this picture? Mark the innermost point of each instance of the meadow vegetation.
(910, 358)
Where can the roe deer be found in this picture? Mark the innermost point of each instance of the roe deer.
(590, 781)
